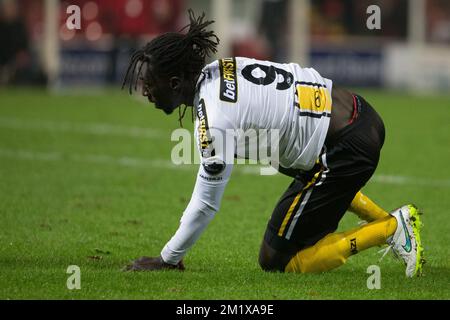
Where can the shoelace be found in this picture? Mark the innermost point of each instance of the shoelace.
(386, 250)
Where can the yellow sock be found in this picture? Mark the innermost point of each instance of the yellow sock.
(366, 209)
(334, 249)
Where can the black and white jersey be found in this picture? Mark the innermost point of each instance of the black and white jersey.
(236, 96)
(242, 95)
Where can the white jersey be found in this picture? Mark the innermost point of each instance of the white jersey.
(245, 94)
(236, 96)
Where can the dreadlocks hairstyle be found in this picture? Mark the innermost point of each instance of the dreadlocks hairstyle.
(175, 53)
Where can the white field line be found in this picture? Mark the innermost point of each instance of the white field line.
(85, 128)
(166, 164)
(90, 158)
(414, 181)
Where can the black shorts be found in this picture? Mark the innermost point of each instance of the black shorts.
(316, 200)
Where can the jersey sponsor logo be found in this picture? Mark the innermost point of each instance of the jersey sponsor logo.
(228, 80)
(203, 131)
(210, 178)
(271, 74)
(213, 166)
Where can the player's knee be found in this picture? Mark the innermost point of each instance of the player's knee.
(271, 260)
(267, 264)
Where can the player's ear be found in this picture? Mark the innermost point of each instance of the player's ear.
(175, 83)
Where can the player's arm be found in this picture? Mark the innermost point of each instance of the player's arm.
(212, 177)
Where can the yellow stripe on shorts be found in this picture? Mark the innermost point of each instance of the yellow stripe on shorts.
(294, 203)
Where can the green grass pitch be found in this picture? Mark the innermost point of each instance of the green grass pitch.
(86, 181)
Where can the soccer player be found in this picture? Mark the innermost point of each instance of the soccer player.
(329, 142)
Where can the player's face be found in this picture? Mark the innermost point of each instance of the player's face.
(165, 94)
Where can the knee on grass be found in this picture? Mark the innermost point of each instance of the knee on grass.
(271, 260)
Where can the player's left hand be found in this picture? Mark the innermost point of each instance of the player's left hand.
(152, 264)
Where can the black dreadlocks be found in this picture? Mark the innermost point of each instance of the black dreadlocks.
(175, 53)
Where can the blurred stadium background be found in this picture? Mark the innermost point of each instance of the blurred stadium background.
(85, 171)
(411, 50)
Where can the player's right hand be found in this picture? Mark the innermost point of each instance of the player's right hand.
(152, 264)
